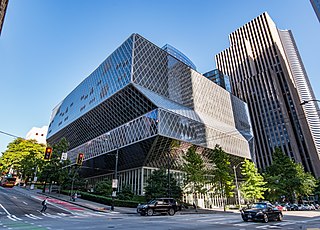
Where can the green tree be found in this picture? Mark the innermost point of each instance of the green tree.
(22, 156)
(157, 185)
(55, 169)
(125, 193)
(317, 188)
(104, 188)
(287, 178)
(194, 168)
(253, 187)
(222, 173)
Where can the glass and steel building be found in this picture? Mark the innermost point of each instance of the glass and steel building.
(267, 72)
(219, 78)
(316, 6)
(179, 55)
(136, 103)
(3, 9)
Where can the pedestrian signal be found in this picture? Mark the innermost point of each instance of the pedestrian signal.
(80, 158)
(47, 154)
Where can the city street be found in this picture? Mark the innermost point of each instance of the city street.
(20, 210)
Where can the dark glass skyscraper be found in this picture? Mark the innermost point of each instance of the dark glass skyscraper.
(219, 78)
(137, 102)
(267, 72)
(316, 7)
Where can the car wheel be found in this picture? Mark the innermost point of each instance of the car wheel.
(280, 217)
(245, 220)
(171, 212)
(265, 218)
(150, 212)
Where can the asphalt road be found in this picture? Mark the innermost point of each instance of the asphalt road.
(19, 211)
(13, 202)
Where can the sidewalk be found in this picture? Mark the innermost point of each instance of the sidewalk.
(94, 206)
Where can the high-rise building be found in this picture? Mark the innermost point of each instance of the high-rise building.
(3, 9)
(38, 134)
(316, 6)
(136, 103)
(219, 78)
(266, 71)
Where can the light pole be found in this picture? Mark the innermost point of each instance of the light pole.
(34, 178)
(115, 180)
(236, 181)
(307, 101)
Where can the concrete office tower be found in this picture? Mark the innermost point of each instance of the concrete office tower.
(316, 7)
(136, 103)
(266, 71)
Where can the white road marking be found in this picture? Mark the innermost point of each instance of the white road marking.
(25, 202)
(36, 216)
(8, 213)
(16, 217)
(62, 214)
(11, 218)
(31, 217)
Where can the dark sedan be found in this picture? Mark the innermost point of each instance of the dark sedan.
(159, 205)
(261, 211)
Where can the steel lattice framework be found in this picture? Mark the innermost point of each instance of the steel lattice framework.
(138, 101)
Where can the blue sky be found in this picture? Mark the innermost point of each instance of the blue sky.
(48, 47)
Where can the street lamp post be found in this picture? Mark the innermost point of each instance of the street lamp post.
(236, 181)
(115, 181)
(307, 101)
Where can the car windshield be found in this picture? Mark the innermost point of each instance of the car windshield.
(259, 206)
(152, 201)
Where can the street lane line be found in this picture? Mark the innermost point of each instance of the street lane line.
(16, 217)
(11, 218)
(8, 213)
(25, 202)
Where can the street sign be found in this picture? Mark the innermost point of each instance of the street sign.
(64, 156)
(114, 183)
(114, 194)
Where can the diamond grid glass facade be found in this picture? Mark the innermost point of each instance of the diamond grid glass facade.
(144, 100)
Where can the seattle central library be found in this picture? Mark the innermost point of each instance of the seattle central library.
(137, 102)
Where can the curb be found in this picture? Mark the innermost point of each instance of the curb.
(80, 205)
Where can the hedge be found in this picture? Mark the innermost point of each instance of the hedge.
(104, 200)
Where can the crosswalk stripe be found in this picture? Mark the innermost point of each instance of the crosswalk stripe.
(31, 217)
(16, 217)
(36, 216)
(11, 218)
(62, 214)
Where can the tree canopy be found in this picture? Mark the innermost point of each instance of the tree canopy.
(287, 179)
(157, 185)
(253, 186)
(222, 173)
(22, 156)
(194, 168)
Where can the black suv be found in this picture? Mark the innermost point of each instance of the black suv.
(262, 211)
(159, 205)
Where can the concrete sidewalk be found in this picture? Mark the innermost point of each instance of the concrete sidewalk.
(94, 206)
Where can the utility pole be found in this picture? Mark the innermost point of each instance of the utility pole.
(115, 180)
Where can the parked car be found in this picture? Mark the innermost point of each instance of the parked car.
(302, 207)
(293, 207)
(261, 211)
(159, 205)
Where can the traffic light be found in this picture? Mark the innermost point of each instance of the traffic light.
(80, 158)
(47, 154)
